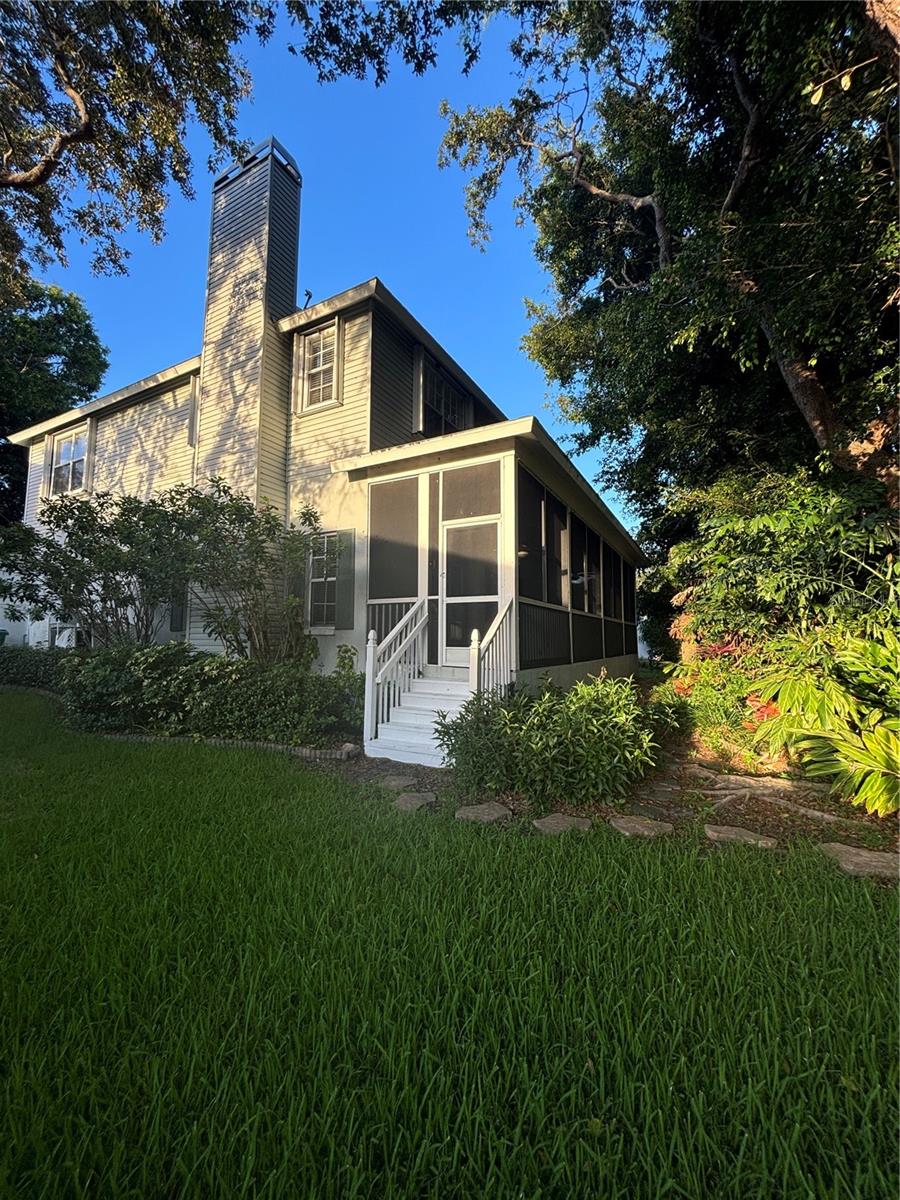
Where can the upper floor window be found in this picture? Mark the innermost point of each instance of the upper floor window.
(445, 409)
(69, 453)
(318, 364)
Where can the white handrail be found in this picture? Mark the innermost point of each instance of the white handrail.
(492, 659)
(392, 665)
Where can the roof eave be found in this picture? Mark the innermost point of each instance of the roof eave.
(129, 394)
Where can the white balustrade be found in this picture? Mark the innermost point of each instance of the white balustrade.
(392, 665)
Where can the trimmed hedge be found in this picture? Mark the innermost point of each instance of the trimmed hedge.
(175, 690)
(23, 666)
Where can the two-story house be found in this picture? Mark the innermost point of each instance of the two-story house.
(463, 550)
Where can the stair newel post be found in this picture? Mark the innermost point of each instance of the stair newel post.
(371, 699)
(475, 662)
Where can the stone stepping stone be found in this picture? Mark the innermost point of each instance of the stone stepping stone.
(855, 861)
(484, 814)
(640, 826)
(413, 801)
(561, 823)
(399, 783)
(734, 833)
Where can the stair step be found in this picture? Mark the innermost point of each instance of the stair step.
(405, 745)
(417, 702)
(413, 718)
(441, 687)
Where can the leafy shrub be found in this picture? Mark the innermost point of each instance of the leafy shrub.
(715, 690)
(27, 667)
(174, 690)
(588, 743)
(838, 700)
(777, 554)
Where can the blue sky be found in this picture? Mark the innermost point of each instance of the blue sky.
(373, 203)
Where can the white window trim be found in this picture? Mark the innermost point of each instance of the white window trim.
(300, 388)
(88, 428)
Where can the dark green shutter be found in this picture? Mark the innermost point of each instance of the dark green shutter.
(344, 600)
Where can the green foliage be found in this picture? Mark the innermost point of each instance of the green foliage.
(95, 103)
(52, 360)
(839, 701)
(26, 667)
(588, 743)
(174, 690)
(113, 564)
(109, 564)
(245, 569)
(775, 553)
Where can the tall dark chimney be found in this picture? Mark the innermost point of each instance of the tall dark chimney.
(251, 283)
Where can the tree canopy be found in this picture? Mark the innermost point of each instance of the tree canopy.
(51, 360)
(714, 189)
(95, 100)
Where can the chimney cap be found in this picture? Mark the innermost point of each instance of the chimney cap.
(270, 147)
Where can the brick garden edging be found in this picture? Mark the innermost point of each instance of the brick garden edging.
(307, 753)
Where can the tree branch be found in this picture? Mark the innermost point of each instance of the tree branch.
(751, 147)
(44, 168)
(651, 201)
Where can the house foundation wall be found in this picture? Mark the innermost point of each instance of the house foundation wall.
(568, 673)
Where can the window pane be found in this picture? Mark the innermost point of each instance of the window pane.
(77, 474)
(60, 479)
(64, 450)
(472, 560)
(79, 443)
(463, 618)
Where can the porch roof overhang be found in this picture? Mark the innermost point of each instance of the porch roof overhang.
(122, 396)
(522, 434)
(374, 291)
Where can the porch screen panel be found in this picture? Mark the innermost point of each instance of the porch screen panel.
(593, 573)
(393, 532)
(555, 518)
(462, 618)
(543, 636)
(434, 532)
(612, 583)
(615, 638)
(628, 592)
(472, 560)
(577, 570)
(530, 536)
(472, 491)
(587, 638)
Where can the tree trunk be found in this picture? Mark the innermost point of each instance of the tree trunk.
(870, 455)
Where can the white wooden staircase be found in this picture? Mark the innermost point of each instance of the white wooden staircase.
(408, 734)
(404, 695)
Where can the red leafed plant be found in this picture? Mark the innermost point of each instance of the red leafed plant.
(760, 710)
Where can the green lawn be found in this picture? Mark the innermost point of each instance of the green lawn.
(222, 974)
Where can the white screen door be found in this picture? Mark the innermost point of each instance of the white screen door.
(470, 586)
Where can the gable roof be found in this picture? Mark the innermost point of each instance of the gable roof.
(374, 290)
(125, 395)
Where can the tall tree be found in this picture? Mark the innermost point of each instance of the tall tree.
(714, 187)
(50, 359)
(95, 99)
